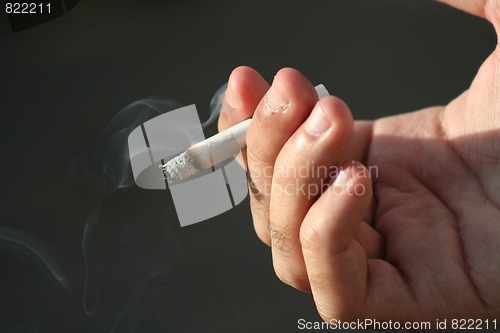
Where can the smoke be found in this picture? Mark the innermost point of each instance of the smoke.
(127, 260)
(105, 168)
(127, 275)
(36, 253)
(106, 163)
(215, 105)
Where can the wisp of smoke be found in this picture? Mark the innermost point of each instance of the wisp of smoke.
(215, 105)
(36, 252)
(132, 272)
(107, 162)
(105, 165)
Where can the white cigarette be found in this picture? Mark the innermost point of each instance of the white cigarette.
(213, 150)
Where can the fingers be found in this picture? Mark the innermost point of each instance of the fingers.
(306, 163)
(245, 90)
(360, 143)
(336, 262)
(336, 246)
(358, 151)
(284, 108)
(371, 240)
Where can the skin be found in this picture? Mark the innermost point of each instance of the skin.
(421, 241)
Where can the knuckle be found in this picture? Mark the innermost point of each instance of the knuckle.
(283, 276)
(320, 282)
(261, 219)
(255, 145)
(327, 316)
(258, 152)
(260, 177)
(256, 195)
(332, 309)
(260, 212)
(342, 315)
(294, 281)
(281, 238)
(263, 235)
(309, 236)
(261, 226)
(285, 166)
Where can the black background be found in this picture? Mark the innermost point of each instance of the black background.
(63, 81)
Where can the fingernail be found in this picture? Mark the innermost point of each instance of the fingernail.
(342, 178)
(318, 122)
(276, 100)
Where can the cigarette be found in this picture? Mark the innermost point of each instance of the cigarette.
(213, 150)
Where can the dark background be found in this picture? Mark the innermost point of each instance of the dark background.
(63, 81)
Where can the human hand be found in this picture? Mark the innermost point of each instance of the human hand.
(425, 244)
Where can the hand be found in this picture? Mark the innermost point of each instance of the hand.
(417, 236)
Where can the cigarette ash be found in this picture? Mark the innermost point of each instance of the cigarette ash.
(179, 168)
